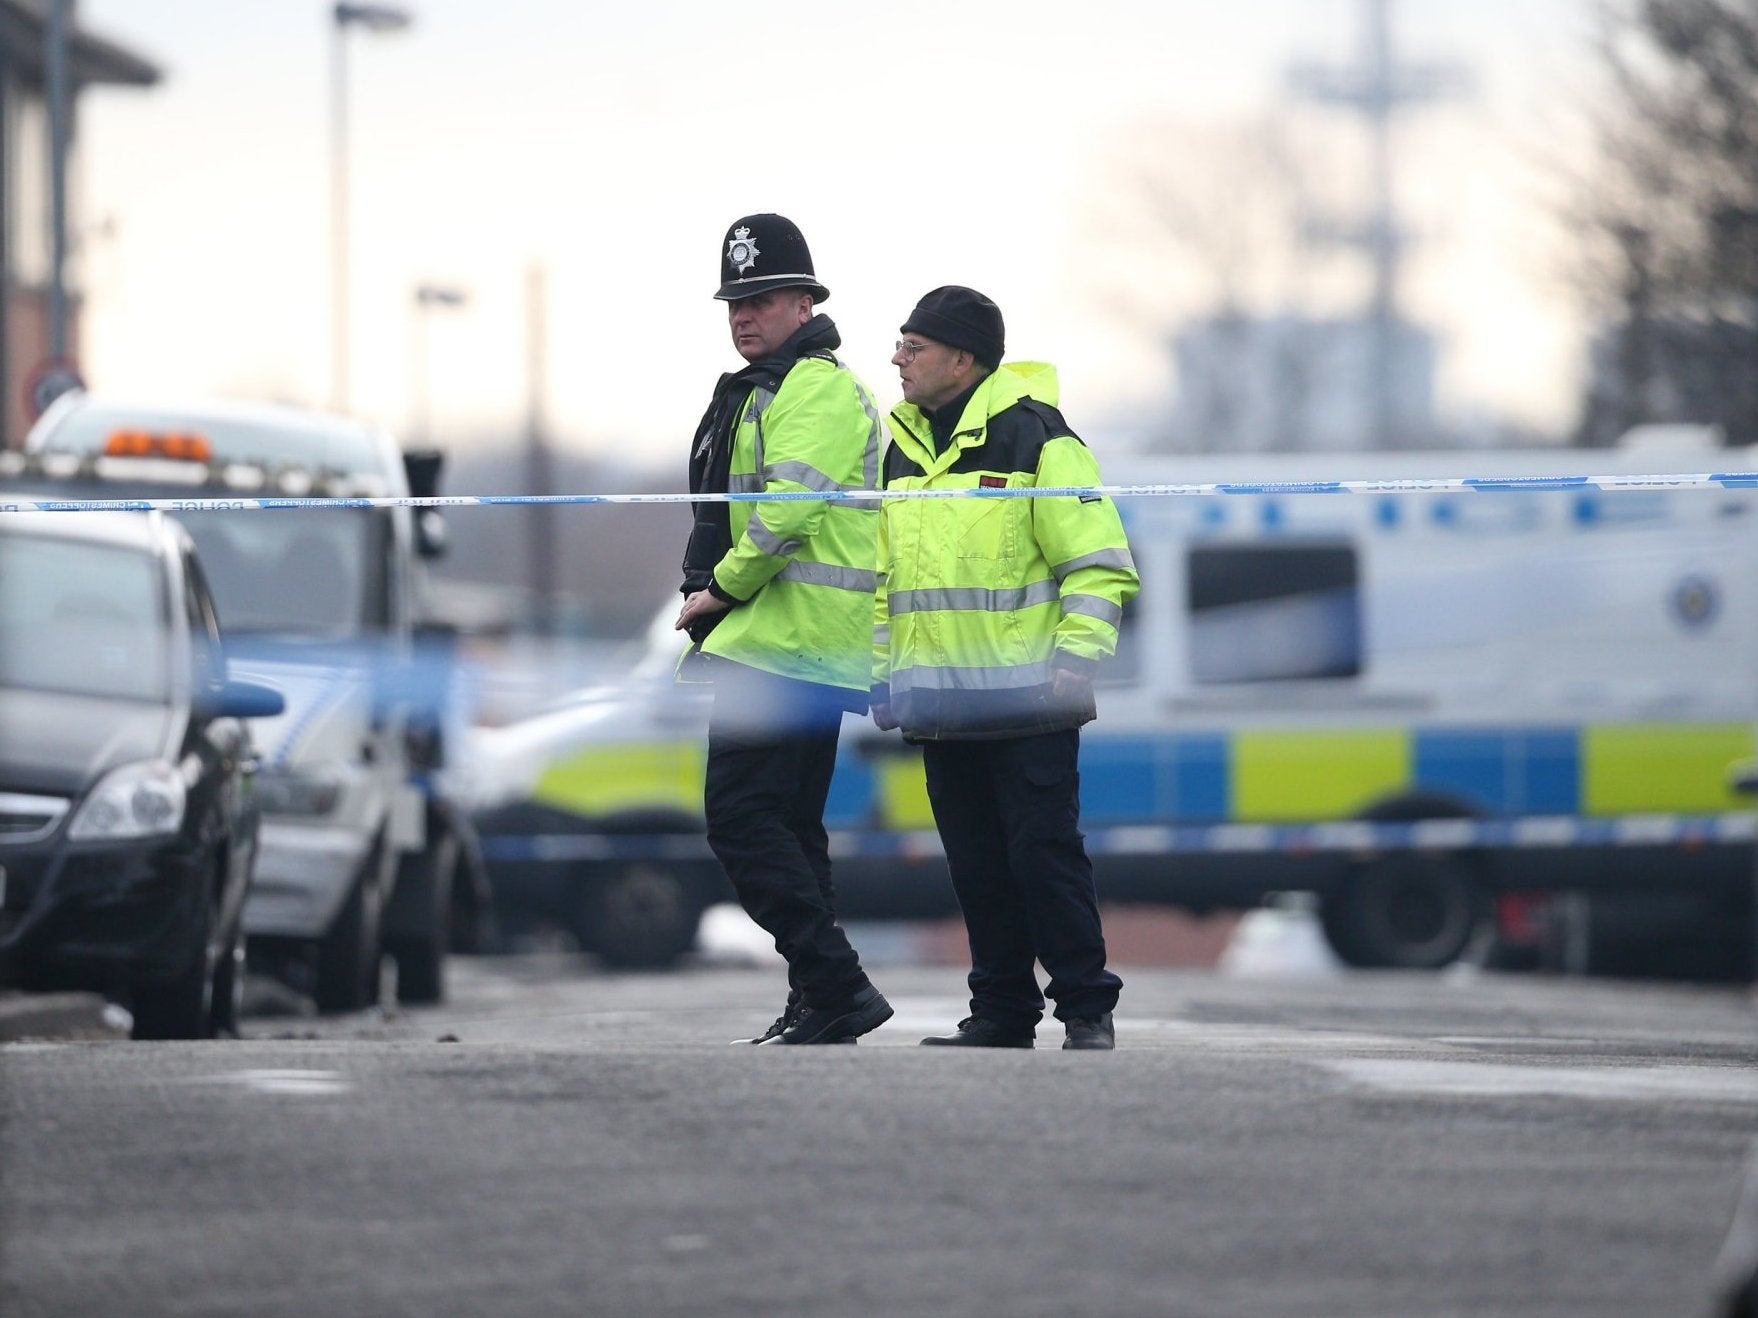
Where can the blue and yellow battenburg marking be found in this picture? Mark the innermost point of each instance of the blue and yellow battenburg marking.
(1267, 776)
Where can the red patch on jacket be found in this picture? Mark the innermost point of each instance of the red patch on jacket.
(992, 482)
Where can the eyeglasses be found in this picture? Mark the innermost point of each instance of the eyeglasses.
(908, 349)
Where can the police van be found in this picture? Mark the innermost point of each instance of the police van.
(362, 851)
(1428, 706)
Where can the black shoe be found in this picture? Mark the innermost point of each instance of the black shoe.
(789, 1014)
(867, 1010)
(1091, 1032)
(981, 1032)
(776, 1026)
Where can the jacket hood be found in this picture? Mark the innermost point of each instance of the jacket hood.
(1006, 385)
(1012, 381)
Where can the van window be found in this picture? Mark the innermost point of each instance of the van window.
(1264, 613)
(314, 575)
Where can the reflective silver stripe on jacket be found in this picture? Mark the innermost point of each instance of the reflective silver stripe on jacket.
(881, 635)
(974, 598)
(802, 473)
(862, 579)
(1094, 606)
(875, 435)
(759, 404)
(760, 401)
(768, 541)
(1010, 677)
(1098, 558)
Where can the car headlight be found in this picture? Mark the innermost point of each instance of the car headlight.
(137, 800)
(281, 793)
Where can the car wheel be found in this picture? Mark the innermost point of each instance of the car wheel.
(1408, 912)
(348, 955)
(181, 1007)
(421, 955)
(639, 916)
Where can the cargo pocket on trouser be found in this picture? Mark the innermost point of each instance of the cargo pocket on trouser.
(1051, 789)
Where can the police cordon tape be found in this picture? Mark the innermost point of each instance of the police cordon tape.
(1438, 485)
(1347, 836)
(1342, 836)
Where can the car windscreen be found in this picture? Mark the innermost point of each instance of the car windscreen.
(84, 619)
(313, 575)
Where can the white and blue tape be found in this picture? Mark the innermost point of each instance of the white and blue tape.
(1744, 480)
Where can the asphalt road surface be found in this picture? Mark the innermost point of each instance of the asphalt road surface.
(559, 1141)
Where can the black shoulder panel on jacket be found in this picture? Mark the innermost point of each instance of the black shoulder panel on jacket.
(1016, 436)
(899, 464)
(1054, 426)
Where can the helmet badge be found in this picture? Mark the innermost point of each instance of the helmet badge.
(741, 252)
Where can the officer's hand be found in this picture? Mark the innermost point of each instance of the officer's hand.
(882, 718)
(1073, 690)
(702, 604)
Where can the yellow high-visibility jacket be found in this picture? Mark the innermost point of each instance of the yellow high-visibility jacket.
(979, 598)
(803, 567)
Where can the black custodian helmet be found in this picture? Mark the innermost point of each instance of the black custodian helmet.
(761, 252)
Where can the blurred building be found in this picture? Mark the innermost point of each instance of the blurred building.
(27, 218)
(1289, 383)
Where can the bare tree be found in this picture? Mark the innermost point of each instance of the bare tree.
(1674, 206)
(1203, 215)
(1202, 224)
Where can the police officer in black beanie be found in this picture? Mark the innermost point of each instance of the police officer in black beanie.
(993, 615)
(778, 604)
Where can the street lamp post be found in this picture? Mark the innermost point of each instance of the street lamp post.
(374, 18)
(427, 297)
(57, 36)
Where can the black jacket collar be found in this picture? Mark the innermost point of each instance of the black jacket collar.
(711, 449)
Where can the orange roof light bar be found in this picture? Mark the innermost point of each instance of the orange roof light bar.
(180, 446)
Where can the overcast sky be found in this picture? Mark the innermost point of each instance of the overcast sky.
(916, 144)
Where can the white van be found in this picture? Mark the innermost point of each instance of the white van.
(1414, 705)
(362, 851)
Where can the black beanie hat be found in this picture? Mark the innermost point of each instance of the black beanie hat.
(761, 252)
(961, 318)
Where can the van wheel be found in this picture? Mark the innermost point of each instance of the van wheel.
(641, 915)
(1404, 912)
(348, 955)
(421, 955)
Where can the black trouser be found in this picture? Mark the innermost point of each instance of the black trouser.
(1009, 817)
(771, 752)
